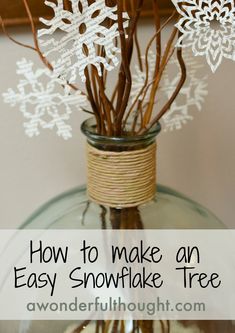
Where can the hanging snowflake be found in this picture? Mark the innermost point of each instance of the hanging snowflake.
(191, 96)
(85, 30)
(51, 108)
(208, 26)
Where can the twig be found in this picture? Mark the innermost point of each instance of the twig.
(107, 105)
(124, 81)
(12, 39)
(126, 49)
(143, 90)
(158, 39)
(145, 93)
(133, 27)
(34, 32)
(148, 113)
(168, 326)
(92, 101)
(167, 106)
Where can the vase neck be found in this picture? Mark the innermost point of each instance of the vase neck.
(121, 170)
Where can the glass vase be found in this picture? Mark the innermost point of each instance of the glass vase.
(168, 209)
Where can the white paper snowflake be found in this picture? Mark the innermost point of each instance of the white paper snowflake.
(191, 96)
(84, 30)
(43, 101)
(208, 26)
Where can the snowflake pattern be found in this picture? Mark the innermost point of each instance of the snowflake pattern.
(208, 27)
(191, 96)
(51, 109)
(84, 31)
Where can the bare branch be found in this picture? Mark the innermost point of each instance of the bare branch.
(180, 84)
(146, 84)
(11, 38)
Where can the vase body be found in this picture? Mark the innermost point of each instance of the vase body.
(75, 210)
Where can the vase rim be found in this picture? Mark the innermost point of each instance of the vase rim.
(88, 128)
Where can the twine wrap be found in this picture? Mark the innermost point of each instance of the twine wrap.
(121, 179)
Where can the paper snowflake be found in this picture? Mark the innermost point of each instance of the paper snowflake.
(40, 101)
(85, 30)
(208, 26)
(191, 96)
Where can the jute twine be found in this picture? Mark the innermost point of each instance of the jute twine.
(121, 179)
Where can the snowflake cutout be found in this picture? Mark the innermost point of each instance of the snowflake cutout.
(208, 26)
(84, 32)
(51, 109)
(191, 96)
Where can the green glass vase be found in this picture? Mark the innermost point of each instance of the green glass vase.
(74, 210)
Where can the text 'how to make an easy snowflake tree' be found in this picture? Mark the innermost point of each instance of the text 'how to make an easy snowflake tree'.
(208, 27)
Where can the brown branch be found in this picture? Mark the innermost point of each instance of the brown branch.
(138, 50)
(30, 48)
(168, 326)
(132, 37)
(119, 91)
(107, 326)
(135, 121)
(94, 86)
(133, 27)
(125, 80)
(11, 38)
(87, 111)
(148, 113)
(142, 107)
(34, 32)
(180, 84)
(136, 41)
(139, 107)
(115, 326)
(107, 105)
(114, 95)
(158, 39)
(162, 326)
(145, 87)
(92, 101)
